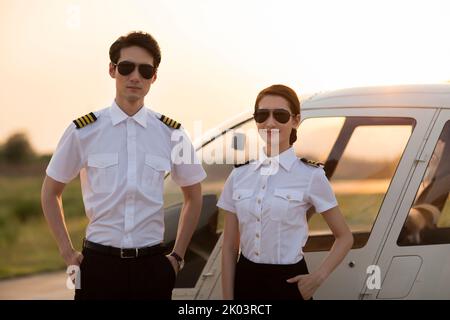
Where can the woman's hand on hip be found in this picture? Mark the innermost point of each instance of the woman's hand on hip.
(307, 284)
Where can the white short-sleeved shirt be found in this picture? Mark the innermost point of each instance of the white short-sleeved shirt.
(122, 161)
(271, 197)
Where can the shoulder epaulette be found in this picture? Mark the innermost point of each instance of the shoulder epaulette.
(241, 164)
(83, 121)
(312, 163)
(170, 122)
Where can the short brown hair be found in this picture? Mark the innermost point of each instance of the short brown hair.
(138, 39)
(287, 93)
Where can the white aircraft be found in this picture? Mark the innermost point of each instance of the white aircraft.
(386, 152)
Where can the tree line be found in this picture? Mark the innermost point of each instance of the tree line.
(17, 149)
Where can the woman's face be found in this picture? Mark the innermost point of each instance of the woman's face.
(273, 132)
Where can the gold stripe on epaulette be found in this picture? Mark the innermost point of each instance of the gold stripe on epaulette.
(312, 163)
(170, 122)
(83, 121)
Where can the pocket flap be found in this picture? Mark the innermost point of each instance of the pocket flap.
(289, 194)
(240, 194)
(103, 160)
(157, 163)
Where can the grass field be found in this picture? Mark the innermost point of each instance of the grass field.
(26, 244)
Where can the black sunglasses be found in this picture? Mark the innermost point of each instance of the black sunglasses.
(280, 115)
(126, 67)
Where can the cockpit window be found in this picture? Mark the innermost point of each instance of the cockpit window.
(428, 220)
(360, 155)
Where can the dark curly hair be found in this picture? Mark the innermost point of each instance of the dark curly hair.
(139, 39)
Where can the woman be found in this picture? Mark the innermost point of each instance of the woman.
(266, 203)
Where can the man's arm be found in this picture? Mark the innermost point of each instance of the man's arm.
(51, 199)
(188, 221)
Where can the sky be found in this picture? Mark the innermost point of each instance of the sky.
(216, 55)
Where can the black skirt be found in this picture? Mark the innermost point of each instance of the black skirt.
(260, 281)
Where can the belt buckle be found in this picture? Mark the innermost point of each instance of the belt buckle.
(128, 257)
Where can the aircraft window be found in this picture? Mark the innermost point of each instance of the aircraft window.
(361, 155)
(428, 220)
(218, 156)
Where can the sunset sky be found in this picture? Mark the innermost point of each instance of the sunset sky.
(216, 55)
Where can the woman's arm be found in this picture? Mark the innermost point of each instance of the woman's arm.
(230, 249)
(308, 284)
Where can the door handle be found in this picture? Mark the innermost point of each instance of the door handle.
(207, 275)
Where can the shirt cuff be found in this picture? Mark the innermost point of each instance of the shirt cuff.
(226, 207)
(326, 207)
(52, 174)
(192, 180)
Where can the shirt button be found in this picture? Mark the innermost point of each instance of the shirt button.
(263, 187)
(258, 219)
(257, 235)
(257, 253)
(259, 201)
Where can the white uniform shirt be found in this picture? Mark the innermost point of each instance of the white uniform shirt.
(122, 161)
(271, 197)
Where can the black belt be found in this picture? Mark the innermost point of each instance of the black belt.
(126, 253)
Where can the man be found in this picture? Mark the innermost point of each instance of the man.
(122, 153)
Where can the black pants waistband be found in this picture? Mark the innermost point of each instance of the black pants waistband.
(124, 253)
(266, 267)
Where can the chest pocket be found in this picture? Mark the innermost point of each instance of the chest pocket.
(153, 174)
(288, 206)
(242, 201)
(102, 171)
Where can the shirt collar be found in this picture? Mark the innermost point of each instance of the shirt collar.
(286, 159)
(117, 115)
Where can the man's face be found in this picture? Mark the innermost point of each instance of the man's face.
(132, 87)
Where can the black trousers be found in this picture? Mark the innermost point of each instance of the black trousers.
(109, 277)
(260, 281)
